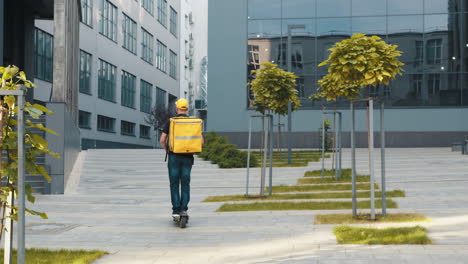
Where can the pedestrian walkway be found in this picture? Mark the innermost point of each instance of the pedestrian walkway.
(121, 204)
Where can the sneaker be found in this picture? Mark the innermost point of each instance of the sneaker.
(175, 214)
(183, 213)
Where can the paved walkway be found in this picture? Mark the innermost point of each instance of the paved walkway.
(121, 204)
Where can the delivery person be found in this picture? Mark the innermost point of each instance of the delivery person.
(180, 166)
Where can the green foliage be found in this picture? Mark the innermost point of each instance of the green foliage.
(62, 256)
(13, 79)
(356, 63)
(365, 218)
(218, 150)
(273, 89)
(385, 236)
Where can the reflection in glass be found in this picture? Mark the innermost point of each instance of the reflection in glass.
(438, 6)
(298, 8)
(333, 27)
(436, 23)
(261, 29)
(405, 7)
(370, 25)
(333, 8)
(264, 9)
(369, 7)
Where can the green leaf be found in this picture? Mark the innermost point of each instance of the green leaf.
(44, 173)
(41, 214)
(43, 108)
(33, 112)
(41, 127)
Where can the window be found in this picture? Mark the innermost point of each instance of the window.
(108, 23)
(433, 85)
(160, 96)
(128, 89)
(129, 28)
(173, 64)
(145, 96)
(43, 51)
(254, 58)
(84, 120)
(127, 128)
(144, 131)
(106, 82)
(419, 53)
(161, 54)
(148, 5)
(162, 12)
(416, 81)
(147, 46)
(173, 22)
(85, 72)
(434, 51)
(106, 124)
(87, 12)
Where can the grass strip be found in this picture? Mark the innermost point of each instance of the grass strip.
(360, 178)
(287, 206)
(344, 172)
(62, 256)
(328, 187)
(374, 236)
(331, 195)
(299, 158)
(365, 218)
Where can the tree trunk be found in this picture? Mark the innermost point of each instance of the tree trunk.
(279, 136)
(3, 206)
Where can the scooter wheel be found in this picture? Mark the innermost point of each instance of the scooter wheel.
(183, 222)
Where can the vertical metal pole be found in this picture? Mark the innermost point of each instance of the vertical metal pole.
(288, 59)
(271, 156)
(382, 158)
(8, 256)
(21, 188)
(248, 158)
(323, 146)
(336, 144)
(371, 156)
(353, 159)
(265, 142)
(340, 125)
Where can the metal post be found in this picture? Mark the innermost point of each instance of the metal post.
(371, 156)
(248, 158)
(8, 256)
(339, 158)
(323, 146)
(265, 142)
(271, 156)
(21, 188)
(382, 158)
(336, 144)
(353, 160)
(288, 59)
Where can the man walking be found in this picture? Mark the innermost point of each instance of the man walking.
(180, 166)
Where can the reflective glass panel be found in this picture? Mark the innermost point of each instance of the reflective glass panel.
(298, 8)
(333, 8)
(437, 6)
(370, 25)
(405, 7)
(369, 7)
(264, 9)
(303, 45)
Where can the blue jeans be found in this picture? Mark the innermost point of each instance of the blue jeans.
(179, 174)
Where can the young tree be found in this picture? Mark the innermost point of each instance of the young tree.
(12, 79)
(273, 89)
(158, 116)
(355, 63)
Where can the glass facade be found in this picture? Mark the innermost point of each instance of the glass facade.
(145, 96)
(44, 55)
(128, 89)
(432, 34)
(145, 131)
(147, 46)
(148, 5)
(129, 30)
(85, 72)
(87, 12)
(127, 128)
(108, 23)
(161, 56)
(162, 12)
(173, 22)
(84, 119)
(160, 96)
(106, 124)
(172, 64)
(106, 81)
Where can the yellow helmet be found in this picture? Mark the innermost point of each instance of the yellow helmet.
(182, 104)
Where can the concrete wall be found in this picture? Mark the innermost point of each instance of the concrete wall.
(228, 114)
(67, 145)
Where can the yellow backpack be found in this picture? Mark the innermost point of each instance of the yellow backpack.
(185, 134)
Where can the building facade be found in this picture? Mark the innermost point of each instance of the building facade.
(194, 60)
(426, 106)
(129, 63)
